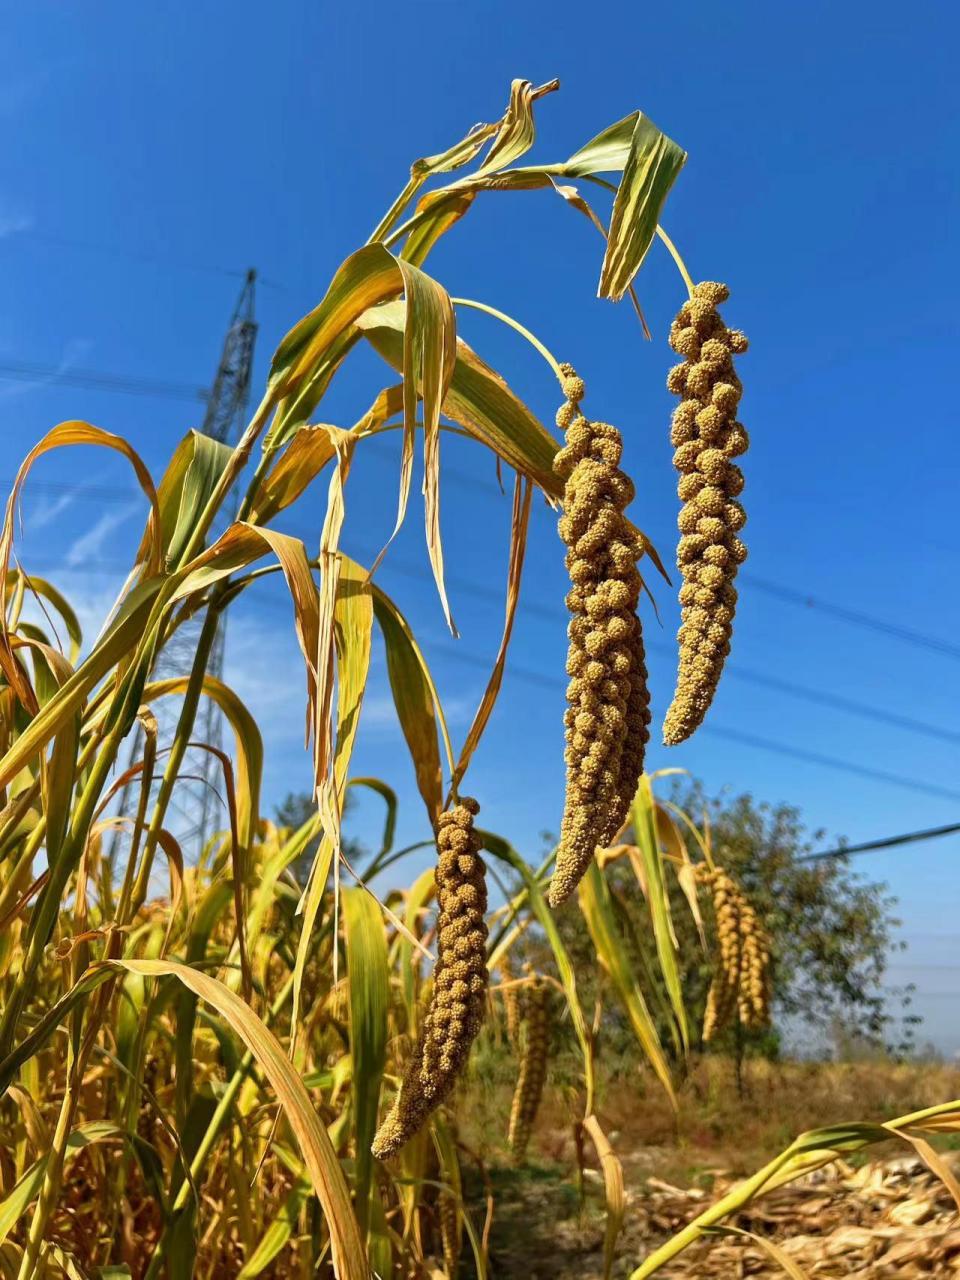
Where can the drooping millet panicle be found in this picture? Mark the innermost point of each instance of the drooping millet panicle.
(608, 716)
(533, 1068)
(742, 981)
(753, 1001)
(511, 1001)
(706, 437)
(725, 989)
(449, 1233)
(455, 1012)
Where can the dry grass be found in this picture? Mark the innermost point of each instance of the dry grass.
(715, 1128)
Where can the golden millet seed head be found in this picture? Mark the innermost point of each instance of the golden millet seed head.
(737, 341)
(455, 1012)
(712, 292)
(573, 388)
(565, 415)
(706, 437)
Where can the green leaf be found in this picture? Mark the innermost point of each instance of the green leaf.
(318, 1154)
(595, 903)
(277, 1234)
(608, 152)
(651, 168)
(190, 478)
(17, 1201)
(415, 698)
(41, 587)
(479, 400)
(501, 849)
(125, 629)
(643, 818)
(366, 946)
(312, 350)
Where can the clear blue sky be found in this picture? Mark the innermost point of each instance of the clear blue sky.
(150, 152)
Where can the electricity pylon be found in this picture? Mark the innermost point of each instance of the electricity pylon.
(195, 809)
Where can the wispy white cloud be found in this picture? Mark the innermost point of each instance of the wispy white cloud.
(92, 597)
(12, 221)
(74, 351)
(89, 544)
(46, 511)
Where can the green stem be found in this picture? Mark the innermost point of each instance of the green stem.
(48, 905)
(674, 253)
(217, 1120)
(53, 1174)
(185, 722)
(513, 324)
(396, 209)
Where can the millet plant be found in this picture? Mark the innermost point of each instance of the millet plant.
(247, 1074)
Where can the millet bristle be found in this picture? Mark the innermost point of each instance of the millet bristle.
(455, 1012)
(608, 716)
(533, 1068)
(706, 437)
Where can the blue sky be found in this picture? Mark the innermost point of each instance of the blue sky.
(152, 155)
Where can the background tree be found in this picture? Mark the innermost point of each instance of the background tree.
(832, 929)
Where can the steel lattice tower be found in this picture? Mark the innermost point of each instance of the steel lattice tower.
(195, 809)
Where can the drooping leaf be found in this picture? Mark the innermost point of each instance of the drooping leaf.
(643, 819)
(517, 132)
(190, 478)
(478, 400)
(320, 341)
(651, 168)
(518, 542)
(50, 595)
(318, 1153)
(594, 897)
(612, 1171)
(415, 698)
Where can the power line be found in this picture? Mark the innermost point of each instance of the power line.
(735, 670)
(834, 700)
(140, 255)
(94, 380)
(889, 842)
(853, 616)
(802, 692)
(733, 735)
(831, 762)
(738, 672)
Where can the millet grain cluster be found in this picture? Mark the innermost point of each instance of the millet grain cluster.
(608, 713)
(533, 1068)
(741, 984)
(706, 437)
(449, 1233)
(511, 1002)
(456, 1007)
